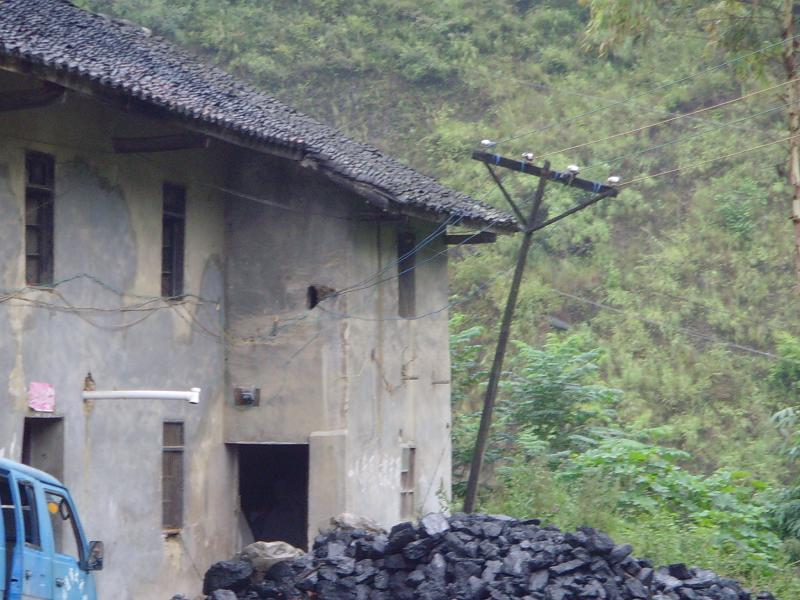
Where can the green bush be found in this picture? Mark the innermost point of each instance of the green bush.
(651, 481)
(553, 393)
(718, 522)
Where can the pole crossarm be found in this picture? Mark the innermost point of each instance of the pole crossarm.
(521, 166)
(578, 207)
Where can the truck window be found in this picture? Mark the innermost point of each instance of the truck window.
(9, 523)
(65, 534)
(7, 504)
(30, 518)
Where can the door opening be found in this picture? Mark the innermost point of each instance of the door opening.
(43, 444)
(273, 491)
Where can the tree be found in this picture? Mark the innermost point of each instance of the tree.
(744, 27)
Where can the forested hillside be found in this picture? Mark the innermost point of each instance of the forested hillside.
(657, 332)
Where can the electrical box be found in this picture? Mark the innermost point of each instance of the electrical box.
(246, 396)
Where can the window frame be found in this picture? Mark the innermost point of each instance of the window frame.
(406, 270)
(173, 229)
(408, 460)
(33, 511)
(80, 541)
(8, 509)
(172, 493)
(39, 199)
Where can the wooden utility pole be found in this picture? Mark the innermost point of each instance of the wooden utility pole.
(528, 225)
(500, 351)
(790, 47)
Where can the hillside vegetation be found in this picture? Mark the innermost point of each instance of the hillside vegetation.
(657, 332)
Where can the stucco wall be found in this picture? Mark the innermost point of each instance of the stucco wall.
(108, 224)
(349, 377)
(399, 390)
(349, 373)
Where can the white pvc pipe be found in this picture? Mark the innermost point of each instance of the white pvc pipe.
(193, 395)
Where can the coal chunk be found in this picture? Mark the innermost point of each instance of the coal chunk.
(567, 567)
(418, 549)
(620, 553)
(679, 571)
(517, 564)
(400, 536)
(538, 580)
(231, 575)
(434, 524)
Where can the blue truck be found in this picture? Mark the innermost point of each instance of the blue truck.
(44, 554)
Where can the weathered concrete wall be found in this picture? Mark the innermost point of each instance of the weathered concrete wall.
(274, 253)
(349, 372)
(399, 390)
(349, 377)
(108, 224)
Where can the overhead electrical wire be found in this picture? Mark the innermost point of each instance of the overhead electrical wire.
(428, 259)
(430, 313)
(642, 106)
(704, 162)
(686, 330)
(646, 92)
(683, 138)
(175, 306)
(440, 230)
(669, 120)
(96, 280)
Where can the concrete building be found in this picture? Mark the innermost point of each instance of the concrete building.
(164, 226)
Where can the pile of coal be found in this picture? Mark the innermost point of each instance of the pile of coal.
(470, 557)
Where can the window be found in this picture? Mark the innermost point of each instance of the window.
(7, 506)
(30, 518)
(172, 476)
(173, 235)
(407, 459)
(65, 533)
(406, 301)
(40, 169)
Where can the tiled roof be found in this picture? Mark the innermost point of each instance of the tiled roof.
(126, 59)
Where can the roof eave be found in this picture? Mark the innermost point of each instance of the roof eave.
(124, 100)
(389, 204)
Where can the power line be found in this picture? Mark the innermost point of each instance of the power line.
(189, 318)
(685, 330)
(687, 301)
(645, 107)
(706, 162)
(96, 280)
(415, 250)
(648, 91)
(426, 314)
(408, 270)
(683, 138)
(670, 120)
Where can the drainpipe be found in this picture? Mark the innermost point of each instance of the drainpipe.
(193, 395)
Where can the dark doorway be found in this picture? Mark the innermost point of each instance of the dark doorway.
(273, 490)
(43, 444)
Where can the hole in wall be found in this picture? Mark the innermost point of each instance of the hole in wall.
(317, 293)
(312, 296)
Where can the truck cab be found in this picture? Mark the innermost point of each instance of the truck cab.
(44, 554)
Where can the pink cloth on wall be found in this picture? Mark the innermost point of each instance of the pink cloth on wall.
(41, 396)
